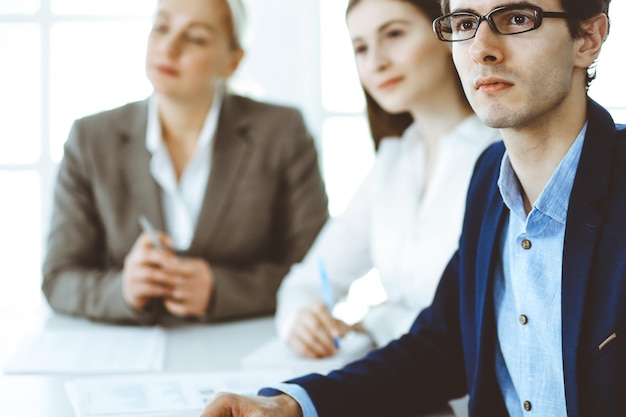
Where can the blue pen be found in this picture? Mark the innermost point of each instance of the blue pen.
(328, 295)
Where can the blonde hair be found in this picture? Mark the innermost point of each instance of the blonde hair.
(238, 19)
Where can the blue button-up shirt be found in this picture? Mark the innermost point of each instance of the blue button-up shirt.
(527, 292)
(527, 296)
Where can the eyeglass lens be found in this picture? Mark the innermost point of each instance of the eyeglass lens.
(462, 26)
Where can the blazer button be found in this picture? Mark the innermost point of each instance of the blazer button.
(526, 244)
(523, 319)
(527, 405)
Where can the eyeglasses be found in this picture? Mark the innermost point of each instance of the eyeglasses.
(507, 20)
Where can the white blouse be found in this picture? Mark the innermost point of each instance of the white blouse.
(182, 200)
(395, 224)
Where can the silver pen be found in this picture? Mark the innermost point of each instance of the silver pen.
(151, 231)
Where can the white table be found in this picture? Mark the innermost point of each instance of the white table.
(190, 348)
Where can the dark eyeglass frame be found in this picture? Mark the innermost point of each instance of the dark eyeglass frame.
(538, 13)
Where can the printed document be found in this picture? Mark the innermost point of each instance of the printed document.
(91, 348)
(276, 354)
(162, 395)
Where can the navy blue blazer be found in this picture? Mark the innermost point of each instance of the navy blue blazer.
(449, 350)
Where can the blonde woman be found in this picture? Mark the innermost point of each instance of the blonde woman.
(232, 185)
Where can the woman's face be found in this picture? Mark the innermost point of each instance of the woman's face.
(399, 59)
(190, 47)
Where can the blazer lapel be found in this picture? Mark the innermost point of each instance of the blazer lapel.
(231, 150)
(583, 225)
(142, 189)
(488, 251)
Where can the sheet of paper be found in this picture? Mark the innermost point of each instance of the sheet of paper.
(276, 354)
(93, 348)
(161, 394)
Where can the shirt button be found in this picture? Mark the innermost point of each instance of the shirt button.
(527, 405)
(523, 319)
(526, 244)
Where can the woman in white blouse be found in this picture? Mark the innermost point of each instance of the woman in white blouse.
(405, 219)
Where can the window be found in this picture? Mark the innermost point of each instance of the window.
(75, 57)
(347, 148)
(61, 51)
(608, 88)
(70, 58)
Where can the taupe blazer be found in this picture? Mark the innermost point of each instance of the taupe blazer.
(264, 204)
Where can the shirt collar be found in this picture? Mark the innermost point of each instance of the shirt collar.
(554, 198)
(154, 134)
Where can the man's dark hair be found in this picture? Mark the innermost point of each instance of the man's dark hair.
(580, 11)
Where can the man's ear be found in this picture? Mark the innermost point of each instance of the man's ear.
(595, 31)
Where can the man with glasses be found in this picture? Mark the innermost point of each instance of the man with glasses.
(530, 314)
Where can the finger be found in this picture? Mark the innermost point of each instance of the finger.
(147, 257)
(157, 257)
(138, 295)
(301, 348)
(341, 328)
(186, 304)
(309, 333)
(152, 275)
(150, 290)
(142, 242)
(183, 267)
(226, 404)
(334, 327)
(194, 292)
(177, 308)
(307, 344)
(325, 322)
(166, 240)
(307, 348)
(323, 315)
(220, 406)
(137, 252)
(194, 286)
(180, 296)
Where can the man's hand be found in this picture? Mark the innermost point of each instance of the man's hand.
(313, 331)
(232, 405)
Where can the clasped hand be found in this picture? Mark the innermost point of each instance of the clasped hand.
(185, 284)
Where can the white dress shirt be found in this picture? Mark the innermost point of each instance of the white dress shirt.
(182, 200)
(393, 223)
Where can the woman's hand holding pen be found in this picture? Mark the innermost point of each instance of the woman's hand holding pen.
(184, 284)
(143, 277)
(314, 330)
